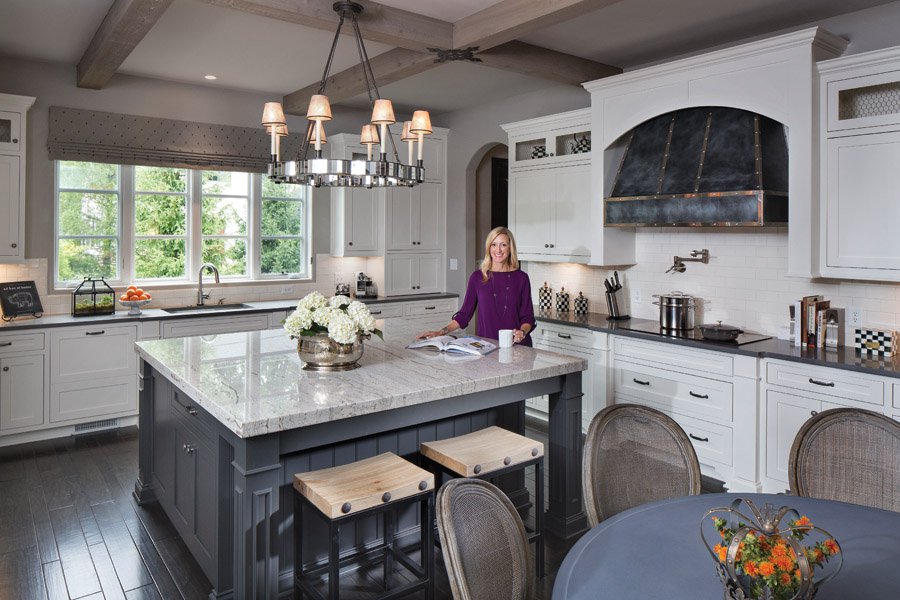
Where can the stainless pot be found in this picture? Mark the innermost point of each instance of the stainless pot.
(676, 310)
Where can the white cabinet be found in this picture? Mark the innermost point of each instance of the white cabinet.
(412, 273)
(356, 221)
(550, 196)
(795, 392)
(93, 372)
(592, 347)
(415, 218)
(860, 152)
(711, 395)
(12, 176)
(22, 385)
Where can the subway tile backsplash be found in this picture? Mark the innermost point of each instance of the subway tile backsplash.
(744, 284)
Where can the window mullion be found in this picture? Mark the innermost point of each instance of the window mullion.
(195, 236)
(255, 227)
(126, 222)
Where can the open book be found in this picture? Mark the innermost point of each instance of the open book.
(448, 343)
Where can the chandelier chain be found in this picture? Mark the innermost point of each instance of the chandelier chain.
(367, 73)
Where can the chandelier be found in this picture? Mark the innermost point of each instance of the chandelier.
(369, 173)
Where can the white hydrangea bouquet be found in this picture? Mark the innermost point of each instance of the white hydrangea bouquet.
(342, 319)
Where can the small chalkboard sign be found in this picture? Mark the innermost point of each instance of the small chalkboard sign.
(19, 298)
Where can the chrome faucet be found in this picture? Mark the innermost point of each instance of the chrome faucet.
(201, 297)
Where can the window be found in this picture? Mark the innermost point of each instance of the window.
(159, 224)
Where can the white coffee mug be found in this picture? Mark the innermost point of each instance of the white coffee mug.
(505, 355)
(506, 338)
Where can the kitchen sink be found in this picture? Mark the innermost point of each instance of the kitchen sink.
(204, 308)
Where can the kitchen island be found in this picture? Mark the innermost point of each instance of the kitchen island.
(227, 420)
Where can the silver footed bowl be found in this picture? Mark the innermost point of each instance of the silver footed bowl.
(321, 353)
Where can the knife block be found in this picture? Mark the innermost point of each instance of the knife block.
(614, 302)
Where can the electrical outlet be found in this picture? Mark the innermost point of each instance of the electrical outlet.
(287, 289)
(854, 316)
(454, 264)
(636, 296)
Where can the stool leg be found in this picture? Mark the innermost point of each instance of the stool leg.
(298, 546)
(334, 561)
(427, 531)
(539, 517)
(388, 548)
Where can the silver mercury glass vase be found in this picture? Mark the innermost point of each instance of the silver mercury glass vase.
(321, 353)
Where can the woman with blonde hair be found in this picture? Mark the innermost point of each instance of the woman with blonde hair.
(499, 291)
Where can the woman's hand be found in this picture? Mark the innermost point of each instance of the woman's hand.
(428, 334)
(518, 335)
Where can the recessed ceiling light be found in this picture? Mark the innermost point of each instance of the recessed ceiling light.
(210, 77)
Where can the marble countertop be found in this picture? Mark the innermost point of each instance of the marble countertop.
(159, 314)
(839, 358)
(253, 382)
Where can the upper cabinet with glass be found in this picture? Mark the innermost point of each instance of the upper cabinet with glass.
(12, 176)
(558, 139)
(866, 97)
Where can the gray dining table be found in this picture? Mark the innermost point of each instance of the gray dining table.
(655, 551)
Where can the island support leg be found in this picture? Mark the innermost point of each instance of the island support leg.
(257, 477)
(143, 489)
(565, 516)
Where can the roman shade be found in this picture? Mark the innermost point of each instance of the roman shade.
(95, 136)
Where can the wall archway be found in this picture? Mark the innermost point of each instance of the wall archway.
(476, 200)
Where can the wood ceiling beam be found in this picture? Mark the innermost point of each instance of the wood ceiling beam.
(124, 26)
(389, 67)
(535, 61)
(511, 19)
(377, 23)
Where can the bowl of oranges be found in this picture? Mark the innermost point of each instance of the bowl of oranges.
(134, 298)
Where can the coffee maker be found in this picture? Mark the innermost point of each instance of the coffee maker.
(365, 287)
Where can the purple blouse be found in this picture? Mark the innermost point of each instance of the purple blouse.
(503, 302)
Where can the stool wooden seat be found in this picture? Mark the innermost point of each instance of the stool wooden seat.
(488, 453)
(479, 453)
(349, 489)
(378, 485)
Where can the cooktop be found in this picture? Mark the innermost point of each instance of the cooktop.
(748, 337)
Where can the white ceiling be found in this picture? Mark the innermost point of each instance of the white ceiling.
(249, 52)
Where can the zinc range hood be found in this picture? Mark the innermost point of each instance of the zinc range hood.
(706, 166)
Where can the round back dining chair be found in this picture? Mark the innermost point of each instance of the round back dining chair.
(484, 542)
(848, 454)
(634, 455)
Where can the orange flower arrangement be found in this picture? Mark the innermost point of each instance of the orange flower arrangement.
(767, 561)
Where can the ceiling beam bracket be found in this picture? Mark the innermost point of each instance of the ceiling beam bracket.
(467, 54)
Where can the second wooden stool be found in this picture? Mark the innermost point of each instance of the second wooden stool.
(374, 485)
(489, 453)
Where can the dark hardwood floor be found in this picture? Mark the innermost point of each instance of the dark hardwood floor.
(69, 528)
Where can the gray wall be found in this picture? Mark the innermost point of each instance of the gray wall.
(54, 85)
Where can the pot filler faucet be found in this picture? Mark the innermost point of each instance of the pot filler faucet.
(701, 256)
(201, 297)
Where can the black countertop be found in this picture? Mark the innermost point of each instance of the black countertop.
(158, 314)
(839, 358)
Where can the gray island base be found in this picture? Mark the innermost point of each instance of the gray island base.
(226, 421)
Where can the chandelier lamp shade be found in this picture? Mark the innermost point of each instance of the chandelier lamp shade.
(318, 171)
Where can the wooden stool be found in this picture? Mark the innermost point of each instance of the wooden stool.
(375, 485)
(489, 453)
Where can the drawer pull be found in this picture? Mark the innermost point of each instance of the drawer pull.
(430, 307)
(191, 410)
(639, 382)
(374, 312)
(701, 396)
(101, 332)
(5, 344)
(565, 337)
(822, 383)
(699, 439)
(188, 448)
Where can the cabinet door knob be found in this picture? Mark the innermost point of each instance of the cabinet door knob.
(551, 245)
(14, 245)
(349, 243)
(6, 368)
(15, 140)
(546, 245)
(191, 411)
